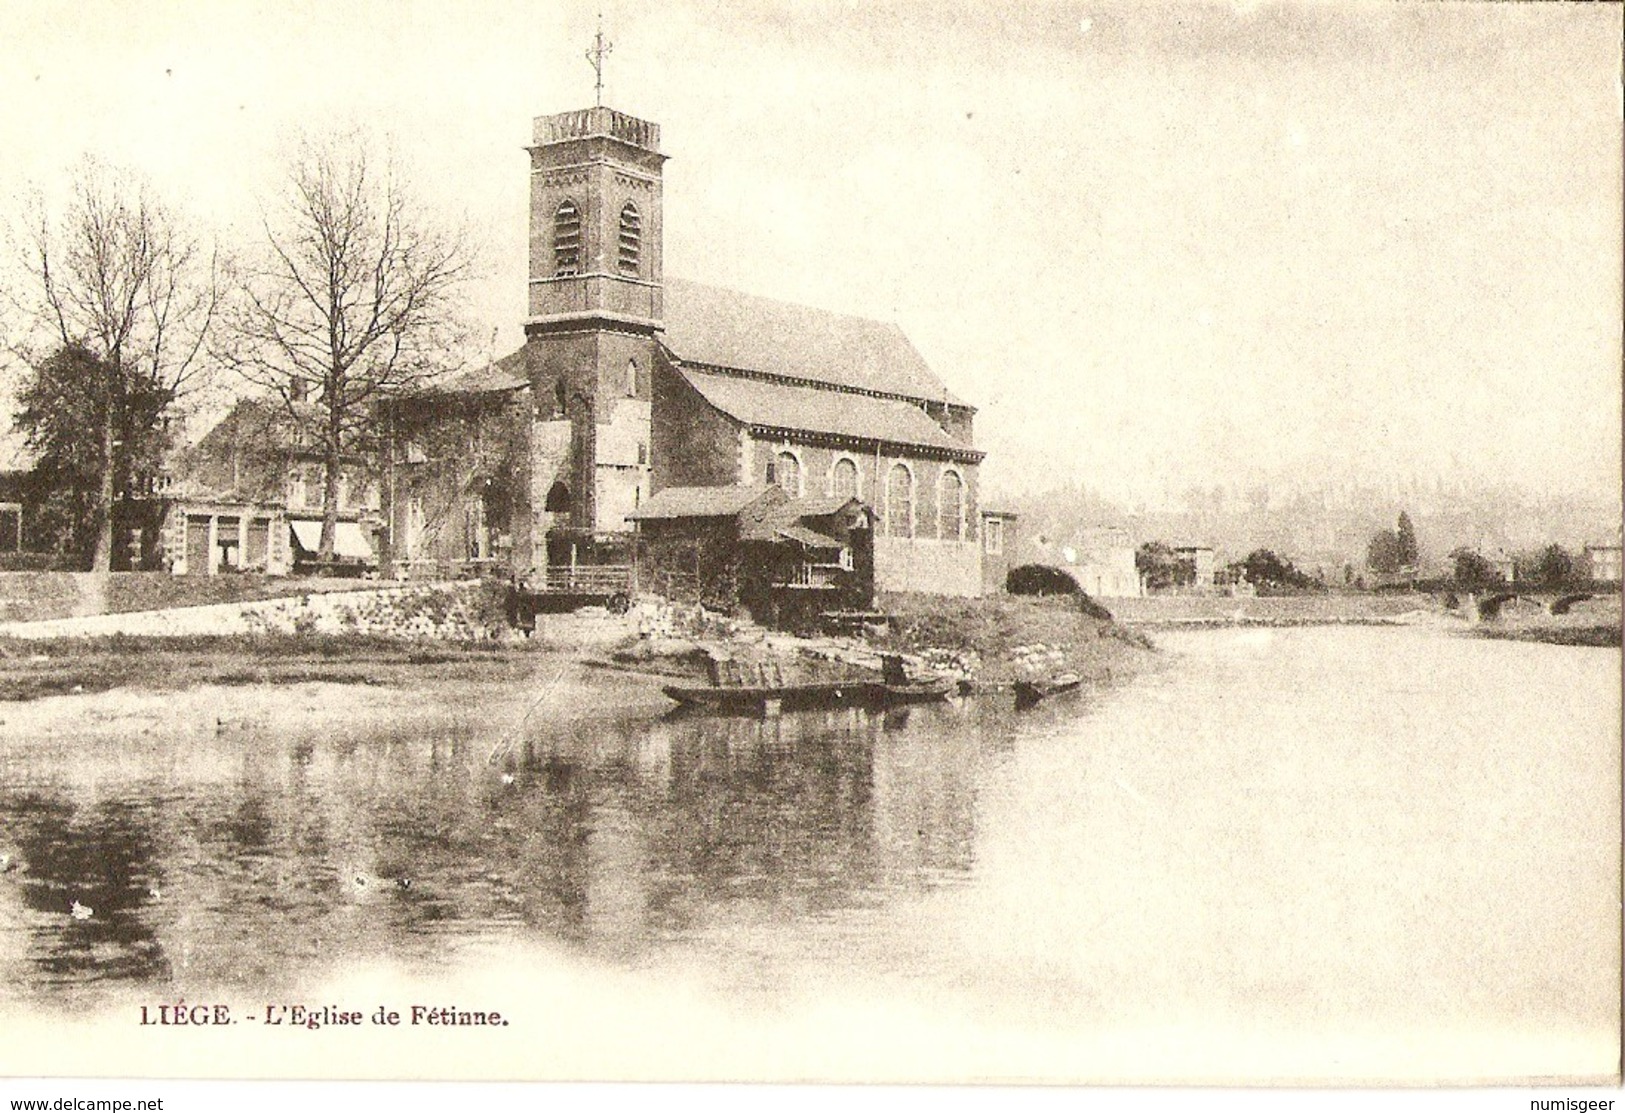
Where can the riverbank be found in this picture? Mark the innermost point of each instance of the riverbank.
(988, 643)
(74, 666)
(1330, 609)
(1580, 634)
(1000, 639)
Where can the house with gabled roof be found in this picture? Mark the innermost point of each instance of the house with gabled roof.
(756, 549)
(250, 497)
(631, 384)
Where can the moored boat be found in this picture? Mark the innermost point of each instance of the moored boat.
(899, 685)
(895, 686)
(919, 691)
(758, 698)
(1029, 692)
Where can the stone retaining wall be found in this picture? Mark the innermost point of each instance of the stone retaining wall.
(457, 611)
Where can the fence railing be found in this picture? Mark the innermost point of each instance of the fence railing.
(814, 575)
(589, 579)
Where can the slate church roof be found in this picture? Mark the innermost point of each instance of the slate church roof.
(723, 328)
(774, 405)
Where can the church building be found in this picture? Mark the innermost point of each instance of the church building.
(631, 383)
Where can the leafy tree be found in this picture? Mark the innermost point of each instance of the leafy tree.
(1472, 571)
(60, 416)
(1382, 555)
(1405, 536)
(350, 300)
(1265, 570)
(1555, 567)
(1040, 579)
(127, 300)
(1161, 568)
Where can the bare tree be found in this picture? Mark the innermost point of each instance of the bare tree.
(115, 279)
(351, 299)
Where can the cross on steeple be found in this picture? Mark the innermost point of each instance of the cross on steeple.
(600, 47)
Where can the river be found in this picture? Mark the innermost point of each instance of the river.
(1314, 854)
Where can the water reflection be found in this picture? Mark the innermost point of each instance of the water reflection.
(1315, 831)
(261, 861)
(97, 857)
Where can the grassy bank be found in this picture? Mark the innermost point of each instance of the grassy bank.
(1590, 634)
(32, 669)
(995, 635)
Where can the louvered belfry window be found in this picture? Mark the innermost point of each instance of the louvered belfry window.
(567, 239)
(631, 239)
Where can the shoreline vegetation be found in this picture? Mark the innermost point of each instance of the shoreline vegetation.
(1596, 635)
(989, 643)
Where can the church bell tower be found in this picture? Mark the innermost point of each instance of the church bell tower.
(594, 314)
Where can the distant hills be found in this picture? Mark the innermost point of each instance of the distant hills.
(1327, 525)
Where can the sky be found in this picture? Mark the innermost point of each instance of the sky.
(1158, 244)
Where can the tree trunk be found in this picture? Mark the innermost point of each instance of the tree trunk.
(330, 501)
(101, 559)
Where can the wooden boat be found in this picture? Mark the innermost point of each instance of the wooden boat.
(758, 699)
(898, 686)
(772, 693)
(1029, 692)
(919, 691)
(791, 697)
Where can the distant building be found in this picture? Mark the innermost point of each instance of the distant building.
(1502, 565)
(458, 455)
(16, 467)
(1101, 559)
(1203, 562)
(14, 492)
(1601, 562)
(998, 548)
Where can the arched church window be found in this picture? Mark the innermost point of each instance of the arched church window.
(558, 398)
(631, 239)
(631, 378)
(787, 473)
(567, 239)
(951, 508)
(900, 501)
(558, 498)
(843, 479)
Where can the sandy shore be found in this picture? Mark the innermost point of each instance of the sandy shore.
(540, 682)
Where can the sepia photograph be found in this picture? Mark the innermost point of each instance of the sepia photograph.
(994, 542)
